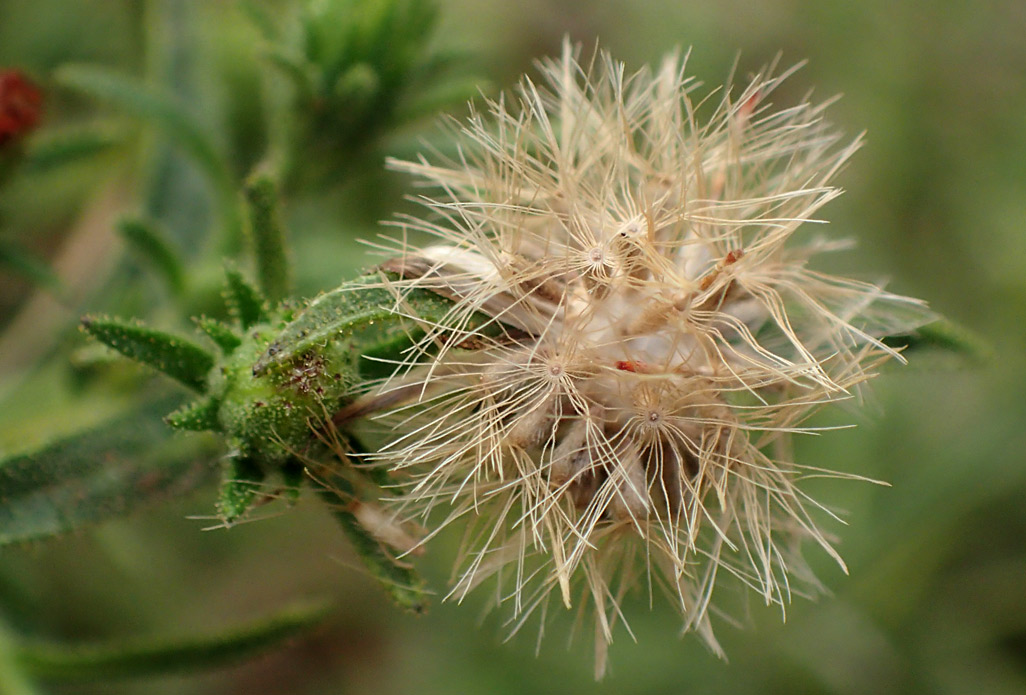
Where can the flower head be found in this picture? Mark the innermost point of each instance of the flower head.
(656, 336)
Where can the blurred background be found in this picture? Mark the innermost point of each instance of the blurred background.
(936, 597)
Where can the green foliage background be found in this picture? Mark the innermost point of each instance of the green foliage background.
(935, 600)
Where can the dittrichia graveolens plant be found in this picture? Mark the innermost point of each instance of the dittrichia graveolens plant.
(655, 335)
(591, 353)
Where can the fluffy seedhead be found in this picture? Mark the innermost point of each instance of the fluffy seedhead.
(662, 337)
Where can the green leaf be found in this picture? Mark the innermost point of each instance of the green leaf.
(400, 581)
(177, 357)
(160, 109)
(20, 261)
(243, 479)
(945, 335)
(244, 301)
(200, 416)
(268, 233)
(100, 474)
(52, 150)
(97, 662)
(152, 243)
(363, 310)
(222, 334)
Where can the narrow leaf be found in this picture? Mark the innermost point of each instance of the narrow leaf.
(200, 416)
(244, 302)
(177, 357)
(943, 334)
(268, 232)
(100, 474)
(152, 243)
(52, 150)
(399, 580)
(155, 657)
(20, 261)
(242, 481)
(365, 311)
(222, 335)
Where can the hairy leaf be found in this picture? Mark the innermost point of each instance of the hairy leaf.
(222, 335)
(100, 474)
(20, 261)
(177, 357)
(152, 244)
(943, 334)
(154, 657)
(364, 311)
(244, 302)
(200, 416)
(51, 150)
(400, 580)
(242, 481)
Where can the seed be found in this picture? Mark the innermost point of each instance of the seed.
(630, 500)
(536, 425)
(571, 455)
